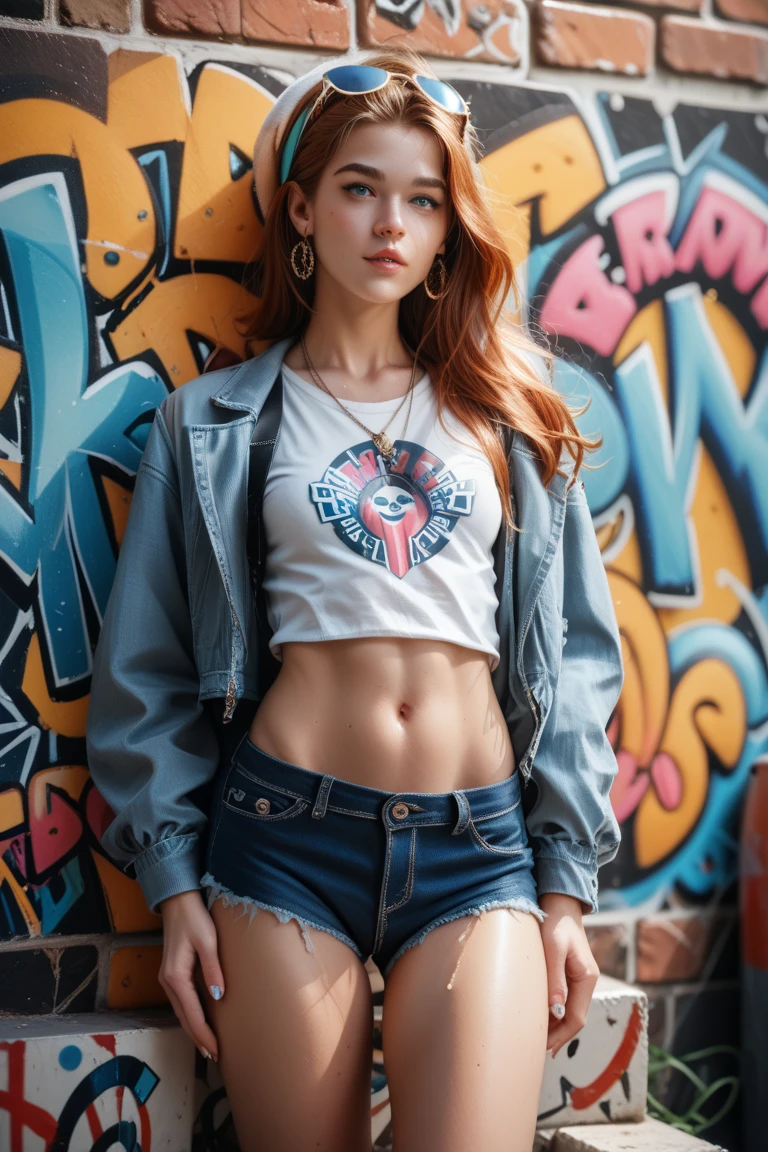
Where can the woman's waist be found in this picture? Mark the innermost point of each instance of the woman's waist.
(387, 713)
(426, 807)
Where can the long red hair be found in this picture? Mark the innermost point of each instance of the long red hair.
(482, 362)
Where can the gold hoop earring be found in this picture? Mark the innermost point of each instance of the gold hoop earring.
(307, 259)
(443, 277)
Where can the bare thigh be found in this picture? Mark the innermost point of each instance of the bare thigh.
(464, 1065)
(294, 1031)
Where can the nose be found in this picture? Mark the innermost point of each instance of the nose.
(390, 224)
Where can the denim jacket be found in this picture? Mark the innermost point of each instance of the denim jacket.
(180, 632)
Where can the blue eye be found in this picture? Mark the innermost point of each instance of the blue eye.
(422, 196)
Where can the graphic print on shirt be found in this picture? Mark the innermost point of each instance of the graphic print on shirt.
(399, 516)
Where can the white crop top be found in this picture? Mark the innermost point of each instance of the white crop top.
(354, 550)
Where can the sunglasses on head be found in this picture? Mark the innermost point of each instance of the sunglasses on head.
(359, 79)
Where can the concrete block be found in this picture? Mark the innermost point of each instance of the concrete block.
(602, 1075)
(92, 1079)
(648, 1135)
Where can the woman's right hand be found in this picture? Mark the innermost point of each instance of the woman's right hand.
(188, 933)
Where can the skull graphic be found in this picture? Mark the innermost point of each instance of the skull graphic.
(392, 503)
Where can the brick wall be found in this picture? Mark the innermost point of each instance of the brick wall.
(720, 39)
(629, 148)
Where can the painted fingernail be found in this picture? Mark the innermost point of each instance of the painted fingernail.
(206, 1053)
(558, 1010)
(215, 991)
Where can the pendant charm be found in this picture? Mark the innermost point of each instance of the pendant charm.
(384, 445)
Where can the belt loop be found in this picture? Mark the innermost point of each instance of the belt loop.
(464, 813)
(321, 803)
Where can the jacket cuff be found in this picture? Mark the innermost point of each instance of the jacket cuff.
(568, 867)
(169, 867)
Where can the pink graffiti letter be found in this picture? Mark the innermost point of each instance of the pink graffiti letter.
(583, 303)
(645, 251)
(723, 235)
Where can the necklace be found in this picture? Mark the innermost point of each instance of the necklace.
(380, 439)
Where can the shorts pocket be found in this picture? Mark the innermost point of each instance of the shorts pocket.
(259, 799)
(502, 834)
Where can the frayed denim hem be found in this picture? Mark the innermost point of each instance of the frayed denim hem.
(217, 891)
(513, 904)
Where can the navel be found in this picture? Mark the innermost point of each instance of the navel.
(406, 711)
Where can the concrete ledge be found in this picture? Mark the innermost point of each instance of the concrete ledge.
(135, 1071)
(647, 1135)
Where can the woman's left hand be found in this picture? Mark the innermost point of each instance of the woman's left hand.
(571, 968)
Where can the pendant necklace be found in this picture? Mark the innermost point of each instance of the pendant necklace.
(380, 439)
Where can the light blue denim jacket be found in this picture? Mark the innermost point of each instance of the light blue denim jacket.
(180, 629)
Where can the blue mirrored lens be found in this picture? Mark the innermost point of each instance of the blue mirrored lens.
(441, 92)
(356, 77)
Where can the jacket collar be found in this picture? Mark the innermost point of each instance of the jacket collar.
(246, 388)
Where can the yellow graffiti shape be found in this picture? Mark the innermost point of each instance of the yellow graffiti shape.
(12, 819)
(69, 778)
(10, 366)
(645, 694)
(133, 979)
(146, 101)
(666, 736)
(647, 328)
(707, 712)
(216, 219)
(67, 718)
(126, 906)
(120, 239)
(201, 303)
(557, 165)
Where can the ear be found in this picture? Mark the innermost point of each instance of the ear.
(300, 210)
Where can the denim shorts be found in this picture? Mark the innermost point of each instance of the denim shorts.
(375, 869)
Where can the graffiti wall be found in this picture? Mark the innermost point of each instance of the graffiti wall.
(127, 227)
(127, 222)
(644, 244)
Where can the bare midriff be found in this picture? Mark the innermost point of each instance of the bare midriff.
(395, 714)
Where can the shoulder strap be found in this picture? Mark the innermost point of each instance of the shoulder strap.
(260, 457)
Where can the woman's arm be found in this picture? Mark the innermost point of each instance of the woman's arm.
(150, 742)
(571, 825)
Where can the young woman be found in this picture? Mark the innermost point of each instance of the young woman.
(422, 773)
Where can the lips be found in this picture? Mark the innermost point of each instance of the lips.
(387, 254)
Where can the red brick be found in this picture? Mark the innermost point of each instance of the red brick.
(673, 948)
(200, 17)
(680, 5)
(753, 11)
(729, 53)
(608, 943)
(310, 23)
(489, 30)
(109, 15)
(603, 39)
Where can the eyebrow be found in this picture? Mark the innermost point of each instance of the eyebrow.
(377, 174)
